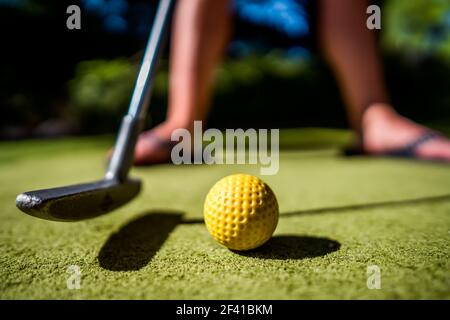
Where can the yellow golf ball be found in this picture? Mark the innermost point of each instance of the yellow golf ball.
(241, 212)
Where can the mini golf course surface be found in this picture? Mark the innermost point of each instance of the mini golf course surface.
(338, 217)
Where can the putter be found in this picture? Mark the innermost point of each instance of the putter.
(89, 200)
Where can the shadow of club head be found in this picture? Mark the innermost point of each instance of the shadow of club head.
(134, 245)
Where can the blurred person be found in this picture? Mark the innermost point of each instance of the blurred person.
(201, 32)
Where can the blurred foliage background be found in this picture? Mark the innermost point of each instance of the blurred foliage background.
(56, 81)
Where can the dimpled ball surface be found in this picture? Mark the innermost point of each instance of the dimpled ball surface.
(241, 212)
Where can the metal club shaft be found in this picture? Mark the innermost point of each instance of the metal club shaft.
(132, 123)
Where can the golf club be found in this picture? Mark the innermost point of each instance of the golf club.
(84, 201)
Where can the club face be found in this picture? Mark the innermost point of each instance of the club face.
(78, 202)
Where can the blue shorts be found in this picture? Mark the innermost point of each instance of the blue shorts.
(293, 18)
(262, 25)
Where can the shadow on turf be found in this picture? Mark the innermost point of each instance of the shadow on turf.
(135, 244)
(282, 247)
(374, 205)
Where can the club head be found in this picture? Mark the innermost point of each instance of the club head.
(78, 202)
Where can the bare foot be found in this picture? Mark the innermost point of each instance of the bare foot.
(384, 131)
(154, 146)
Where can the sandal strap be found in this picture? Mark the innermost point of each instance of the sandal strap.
(409, 149)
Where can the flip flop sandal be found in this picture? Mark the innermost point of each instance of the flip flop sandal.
(407, 151)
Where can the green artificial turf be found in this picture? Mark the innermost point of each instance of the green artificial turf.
(338, 216)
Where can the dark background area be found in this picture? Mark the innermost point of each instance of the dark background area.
(56, 81)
